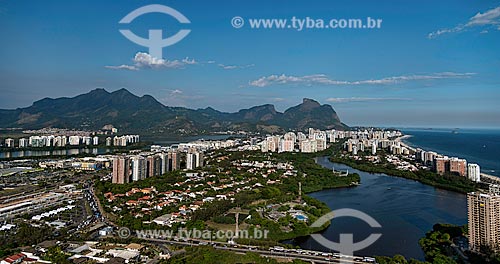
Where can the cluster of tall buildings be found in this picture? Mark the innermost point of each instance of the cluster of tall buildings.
(484, 219)
(444, 164)
(291, 142)
(363, 141)
(194, 159)
(122, 141)
(362, 135)
(315, 141)
(62, 141)
(371, 141)
(373, 144)
(128, 168)
(52, 141)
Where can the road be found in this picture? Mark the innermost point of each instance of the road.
(307, 255)
(97, 203)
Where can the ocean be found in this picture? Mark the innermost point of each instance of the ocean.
(481, 146)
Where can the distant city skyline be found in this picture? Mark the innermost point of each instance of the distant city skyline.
(429, 65)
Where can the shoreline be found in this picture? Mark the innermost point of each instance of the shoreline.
(378, 253)
(405, 144)
(419, 176)
(414, 147)
(403, 137)
(493, 178)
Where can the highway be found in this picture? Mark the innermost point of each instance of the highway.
(96, 205)
(276, 252)
(306, 255)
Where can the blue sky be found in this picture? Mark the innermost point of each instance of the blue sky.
(432, 63)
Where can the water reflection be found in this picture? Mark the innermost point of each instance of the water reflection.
(57, 152)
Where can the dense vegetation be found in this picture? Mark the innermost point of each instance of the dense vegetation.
(56, 255)
(26, 235)
(437, 243)
(398, 259)
(488, 257)
(448, 181)
(314, 177)
(125, 217)
(436, 246)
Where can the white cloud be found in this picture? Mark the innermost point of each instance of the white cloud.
(440, 32)
(286, 79)
(232, 67)
(143, 60)
(188, 61)
(122, 67)
(227, 67)
(364, 99)
(321, 79)
(176, 91)
(486, 19)
(489, 17)
(278, 99)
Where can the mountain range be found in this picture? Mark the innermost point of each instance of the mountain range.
(134, 114)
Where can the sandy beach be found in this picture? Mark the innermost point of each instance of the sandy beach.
(490, 177)
(401, 140)
(403, 137)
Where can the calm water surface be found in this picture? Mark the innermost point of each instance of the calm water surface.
(406, 210)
